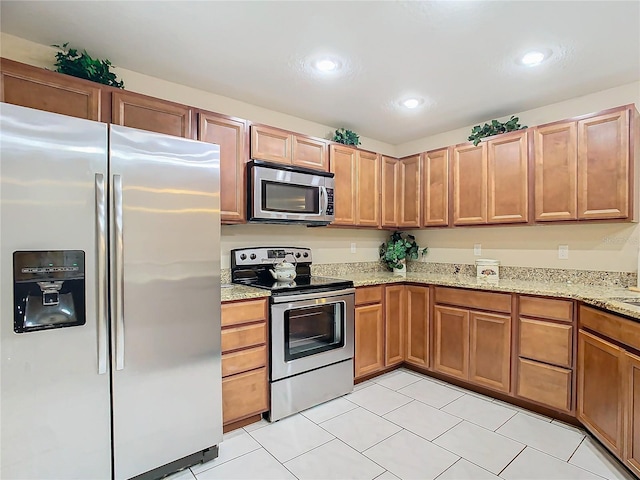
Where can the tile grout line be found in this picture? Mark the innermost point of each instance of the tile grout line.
(512, 460)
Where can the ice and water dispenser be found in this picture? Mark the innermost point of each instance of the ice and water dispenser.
(49, 290)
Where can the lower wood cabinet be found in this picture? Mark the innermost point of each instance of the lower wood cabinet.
(632, 418)
(417, 313)
(244, 360)
(470, 344)
(600, 389)
(544, 384)
(395, 320)
(369, 327)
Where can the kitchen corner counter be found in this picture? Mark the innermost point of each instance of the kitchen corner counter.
(608, 298)
(230, 292)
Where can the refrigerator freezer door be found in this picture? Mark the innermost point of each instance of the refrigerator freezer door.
(165, 286)
(54, 405)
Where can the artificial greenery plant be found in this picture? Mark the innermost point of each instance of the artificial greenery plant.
(400, 246)
(346, 137)
(494, 128)
(70, 62)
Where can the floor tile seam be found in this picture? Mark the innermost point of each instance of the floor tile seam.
(471, 421)
(376, 413)
(512, 460)
(507, 420)
(307, 451)
(591, 471)
(282, 463)
(415, 433)
(236, 458)
(466, 460)
(355, 405)
(228, 460)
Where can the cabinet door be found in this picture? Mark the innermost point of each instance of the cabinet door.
(451, 341)
(270, 144)
(369, 347)
(600, 389)
(632, 418)
(508, 174)
(409, 202)
(435, 185)
(231, 135)
(395, 319)
(490, 350)
(342, 161)
(244, 395)
(556, 172)
(310, 152)
(42, 89)
(603, 166)
(368, 189)
(470, 184)
(390, 174)
(417, 325)
(148, 113)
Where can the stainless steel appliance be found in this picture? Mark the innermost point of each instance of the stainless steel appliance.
(109, 299)
(284, 194)
(311, 326)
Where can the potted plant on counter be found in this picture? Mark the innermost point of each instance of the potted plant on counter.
(398, 249)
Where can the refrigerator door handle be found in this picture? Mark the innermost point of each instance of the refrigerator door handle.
(101, 270)
(118, 277)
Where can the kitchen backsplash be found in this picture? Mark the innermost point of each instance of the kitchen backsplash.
(552, 275)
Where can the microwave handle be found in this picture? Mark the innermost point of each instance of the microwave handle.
(325, 197)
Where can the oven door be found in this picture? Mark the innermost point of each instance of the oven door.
(310, 331)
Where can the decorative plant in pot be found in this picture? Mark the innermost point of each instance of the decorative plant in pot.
(346, 137)
(398, 249)
(494, 128)
(80, 64)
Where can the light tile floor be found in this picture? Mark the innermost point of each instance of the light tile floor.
(404, 425)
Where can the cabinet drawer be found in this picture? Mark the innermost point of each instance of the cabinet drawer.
(612, 326)
(244, 395)
(544, 384)
(244, 360)
(368, 295)
(546, 308)
(245, 336)
(244, 312)
(495, 302)
(546, 342)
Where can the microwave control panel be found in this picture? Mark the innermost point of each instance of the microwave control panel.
(329, 201)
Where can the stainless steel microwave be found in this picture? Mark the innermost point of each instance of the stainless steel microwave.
(284, 194)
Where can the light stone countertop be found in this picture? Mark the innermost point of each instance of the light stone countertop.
(599, 296)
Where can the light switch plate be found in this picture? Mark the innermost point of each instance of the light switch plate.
(477, 249)
(563, 252)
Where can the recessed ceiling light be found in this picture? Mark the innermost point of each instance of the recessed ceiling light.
(411, 102)
(532, 59)
(327, 65)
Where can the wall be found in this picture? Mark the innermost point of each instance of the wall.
(612, 247)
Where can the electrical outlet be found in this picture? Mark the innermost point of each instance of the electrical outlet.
(353, 247)
(563, 252)
(477, 249)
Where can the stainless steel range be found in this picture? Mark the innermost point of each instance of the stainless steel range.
(311, 325)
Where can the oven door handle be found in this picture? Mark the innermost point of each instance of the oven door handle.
(313, 296)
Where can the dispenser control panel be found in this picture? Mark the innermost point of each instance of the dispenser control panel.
(49, 289)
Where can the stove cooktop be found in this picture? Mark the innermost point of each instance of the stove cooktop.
(300, 284)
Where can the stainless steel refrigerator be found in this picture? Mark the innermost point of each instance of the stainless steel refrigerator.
(109, 299)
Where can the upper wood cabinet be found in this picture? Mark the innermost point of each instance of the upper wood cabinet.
(490, 181)
(42, 89)
(470, 184)
(409, 194)
(603, 166)
(231, 135)
(435, 188)
(417, 311)
(368, 189)
(584, 168)
(556, 172)
(357, 186)
(276, 145)
(148, 113)
(389, 202)
(508, 175)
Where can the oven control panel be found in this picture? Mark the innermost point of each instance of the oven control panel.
(269, 255)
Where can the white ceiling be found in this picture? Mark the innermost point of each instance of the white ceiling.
(459, 56)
